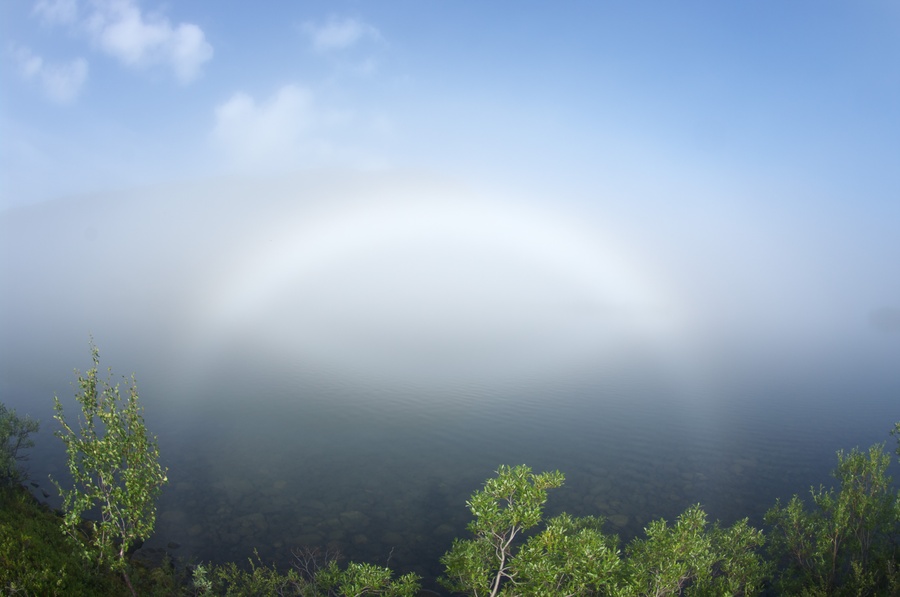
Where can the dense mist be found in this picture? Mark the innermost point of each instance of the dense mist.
(404, 276)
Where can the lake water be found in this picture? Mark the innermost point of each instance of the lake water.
(266, 457)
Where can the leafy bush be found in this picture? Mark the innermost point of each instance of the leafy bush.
(357, 580)
(232, 581)
(847, 543)
(572, 556)
(14, 433)
(689, 558)
(307, 579)
(114, 463)
(508, 505)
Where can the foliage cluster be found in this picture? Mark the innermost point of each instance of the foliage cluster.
(114, 464)
(847, 543)
(308, 578)
(14, 432)
(572, 556)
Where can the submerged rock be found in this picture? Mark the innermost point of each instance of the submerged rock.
(444, 530)
(310, 540)
(354, 518)
(620, 521)
(253, 522)
(173, 517)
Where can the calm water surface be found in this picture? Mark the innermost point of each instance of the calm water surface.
(274, 458)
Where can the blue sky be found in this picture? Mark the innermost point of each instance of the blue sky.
(111, 94)
(743, 155)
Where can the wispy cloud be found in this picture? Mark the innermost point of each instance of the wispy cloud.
(339, 34)
(268, 133)
(136, 39)
(56, 12)
(62, 83)
(123, 31)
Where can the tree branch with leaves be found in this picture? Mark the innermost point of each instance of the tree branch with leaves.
(510, 503)
(114, 464)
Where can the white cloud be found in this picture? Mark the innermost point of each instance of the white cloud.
(57, 11)
(189, 50)
(295, 129)
(338, 34)
(137, 39)
(64, 82)
(266, 134)
(60, 82)
(29, 63)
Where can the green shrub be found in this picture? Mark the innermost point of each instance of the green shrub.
(572, 556)
(846, 544)
(689, 558)
(311, 579)
(509, 504)
(14, 433)
(357, 580)
(114, 463)
(231, 581)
